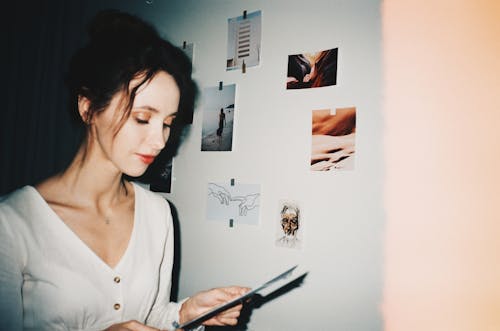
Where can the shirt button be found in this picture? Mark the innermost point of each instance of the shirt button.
(116, 306)
(117, 279)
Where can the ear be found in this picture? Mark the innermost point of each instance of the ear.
(83, 108)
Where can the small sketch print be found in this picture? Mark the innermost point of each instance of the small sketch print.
(237, 202)
(289, 227)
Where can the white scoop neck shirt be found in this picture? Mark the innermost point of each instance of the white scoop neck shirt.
(51, 280)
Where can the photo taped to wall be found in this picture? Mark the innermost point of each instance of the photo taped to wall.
(218, 118)
(244, 41)
(315, 69)
(333, 139)
(289, 225)
(239, 202)
(163, 182)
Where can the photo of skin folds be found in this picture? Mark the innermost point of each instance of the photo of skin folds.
(333, 139)
(314, 69)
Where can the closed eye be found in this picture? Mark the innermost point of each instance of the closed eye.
(138, 120)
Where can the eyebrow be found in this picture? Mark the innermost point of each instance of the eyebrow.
(153, 109)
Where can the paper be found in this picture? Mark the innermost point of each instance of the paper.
(239, 202)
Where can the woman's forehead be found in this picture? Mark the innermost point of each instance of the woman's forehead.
(160, 94)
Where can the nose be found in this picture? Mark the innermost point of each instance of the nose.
(157, 139)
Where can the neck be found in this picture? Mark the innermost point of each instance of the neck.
(93, 179)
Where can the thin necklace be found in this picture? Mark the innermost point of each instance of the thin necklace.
(107, 218)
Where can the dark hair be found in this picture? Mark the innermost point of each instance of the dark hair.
(120, 48)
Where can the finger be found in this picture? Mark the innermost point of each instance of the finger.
(224, 320)
(229, 315)
(224, 294)
(231, 312)
(220, 321)
(213, 321)
(236, 308)
(237, 290)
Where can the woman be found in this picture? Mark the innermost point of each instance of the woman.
(222, 123)
(87, 249)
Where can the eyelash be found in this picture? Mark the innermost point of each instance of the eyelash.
(165, 126)
(138, 120)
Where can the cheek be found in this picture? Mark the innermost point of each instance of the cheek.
(105, 139)
(124, 143)
(130, 135)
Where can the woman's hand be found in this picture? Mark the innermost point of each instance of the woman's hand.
(207, 300)
(130, 326)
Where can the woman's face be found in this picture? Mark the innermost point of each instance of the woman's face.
(146, 130)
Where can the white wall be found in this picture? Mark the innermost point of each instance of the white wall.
(341, 211)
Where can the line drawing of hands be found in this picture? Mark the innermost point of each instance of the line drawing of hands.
(220, 193)
(247, 203)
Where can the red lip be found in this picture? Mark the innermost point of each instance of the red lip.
(147, 159)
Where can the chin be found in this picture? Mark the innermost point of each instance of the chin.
(134, 172)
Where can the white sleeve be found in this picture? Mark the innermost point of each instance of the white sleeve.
(164, 312)
(11, 278)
